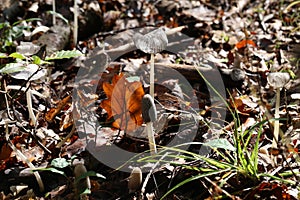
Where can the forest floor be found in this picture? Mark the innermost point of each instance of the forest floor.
(226, 96)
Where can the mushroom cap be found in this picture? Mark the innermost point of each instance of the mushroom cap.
(135, 179)
(153, 42)
(149, 112)
(278, 79)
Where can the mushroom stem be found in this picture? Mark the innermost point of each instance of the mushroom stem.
(276, 123)
(152, 75)
(151, 139)
(75, 31)
(149, 114)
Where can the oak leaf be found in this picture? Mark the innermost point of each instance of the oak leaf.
(123, 103)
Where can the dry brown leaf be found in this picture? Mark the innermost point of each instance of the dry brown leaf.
(54, 111)
(123, 103)
(5, 151)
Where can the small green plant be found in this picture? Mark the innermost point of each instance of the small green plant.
(9, 33)
(237, 160)
(32, 68)
(81, 175)
(21, 61)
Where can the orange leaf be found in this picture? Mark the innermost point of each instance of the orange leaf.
(123, 103)
(244, 43)
(55, 111)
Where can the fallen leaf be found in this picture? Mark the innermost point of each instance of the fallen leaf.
(86, 99)
(244, 43)
(54, 111)
(243, 104)
(123, 103)
(5, 151)
(267, 189)
(66, 121)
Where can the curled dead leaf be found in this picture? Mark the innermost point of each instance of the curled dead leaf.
(244, 43)
(123, 103)
(55, 111)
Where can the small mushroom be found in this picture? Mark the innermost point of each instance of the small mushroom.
(149, 115)
(135, 179)
(152, 43)
(81, 183)
(149, 112)
(277, 80)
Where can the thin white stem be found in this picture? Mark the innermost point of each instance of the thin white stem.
(152, 75)
(151, 139)
(17, 87)
(54, 12)
(29, 106)
(276, 123)
(75, 31)
(6, 100)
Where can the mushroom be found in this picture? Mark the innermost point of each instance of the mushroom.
(149, 114)
(81, 183)
(151, 43)
(277, 80)
(135, 179)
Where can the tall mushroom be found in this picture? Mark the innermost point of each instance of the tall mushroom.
(277, 80)
(151, 43)
(149, 114)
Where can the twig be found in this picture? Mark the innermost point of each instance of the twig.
(29, 106)
(25, 159)
(23, 89)
(6, 101)
(59, 145)
(224, 191)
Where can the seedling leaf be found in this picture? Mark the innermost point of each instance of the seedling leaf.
(60, 163)
(220, 143)
(64, 55)
(12, 67)
(17, 55)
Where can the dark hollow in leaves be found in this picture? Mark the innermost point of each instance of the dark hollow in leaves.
(153, 42)
(149, 112)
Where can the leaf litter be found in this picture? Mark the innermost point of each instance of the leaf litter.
(256, 38)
